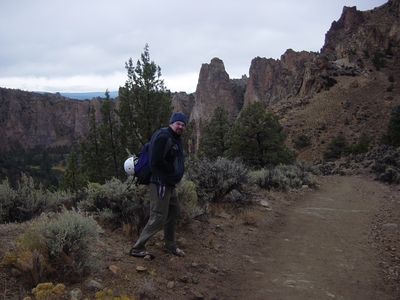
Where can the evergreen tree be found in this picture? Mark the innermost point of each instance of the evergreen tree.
(336, 147)
(145, 103)
(109, 146)
(92, 157)
(213, 143)
(258, 139)
(362, 145)
(72, 178)
(392, 135)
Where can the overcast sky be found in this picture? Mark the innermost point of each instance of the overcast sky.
(82, 45)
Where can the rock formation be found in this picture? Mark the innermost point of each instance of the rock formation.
(32, 119)
(214, 89)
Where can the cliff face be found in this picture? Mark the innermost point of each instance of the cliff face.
(214, 89)
(41, 119)
(273, 80)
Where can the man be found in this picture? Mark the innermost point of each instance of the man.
(167, 167)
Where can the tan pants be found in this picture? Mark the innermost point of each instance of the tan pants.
(164, 214)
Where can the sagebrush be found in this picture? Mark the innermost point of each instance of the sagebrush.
(219, 180)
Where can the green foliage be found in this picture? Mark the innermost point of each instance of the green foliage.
(378, 61)
(103, 153)
(218, 180)
(7, 201)
(112, 153)
(92, 155)
(73, 177)
(70, 238)
(47, 291)
(118, 203)
(285, 177)
(108, 294)
(213, 143)
(362, 144)
(29, 200)
(38, 162)
(387, 163)
(55, 246)
(391, 78)
(145, 103)
(337, 146)
(188, 201)
(29, 259)
(392, 135)
(390, 88)
(301, 141)
(258, 139)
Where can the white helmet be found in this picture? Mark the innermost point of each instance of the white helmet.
(129, 166)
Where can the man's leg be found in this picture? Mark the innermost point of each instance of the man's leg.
(158, 215)
(172, 219)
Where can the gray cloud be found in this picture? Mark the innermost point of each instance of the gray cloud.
(83, 45)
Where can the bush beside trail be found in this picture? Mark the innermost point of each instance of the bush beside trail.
(383, 161)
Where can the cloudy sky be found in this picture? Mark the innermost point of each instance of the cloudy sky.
(82, 45)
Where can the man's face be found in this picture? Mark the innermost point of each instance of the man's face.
(178, 127)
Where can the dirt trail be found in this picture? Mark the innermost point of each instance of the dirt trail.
(337, 242)
(322, 248)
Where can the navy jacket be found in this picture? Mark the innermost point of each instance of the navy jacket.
(166, 157)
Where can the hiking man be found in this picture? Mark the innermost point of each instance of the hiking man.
(167, 167)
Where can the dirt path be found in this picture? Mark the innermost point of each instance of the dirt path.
(341, 241)
(322, 248)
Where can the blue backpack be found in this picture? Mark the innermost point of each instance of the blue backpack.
(142, 166)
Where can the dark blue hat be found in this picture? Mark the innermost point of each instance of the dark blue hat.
(177, 116)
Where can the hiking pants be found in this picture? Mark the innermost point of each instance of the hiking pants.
(164, 214)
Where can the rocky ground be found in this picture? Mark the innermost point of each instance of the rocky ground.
(340, 241)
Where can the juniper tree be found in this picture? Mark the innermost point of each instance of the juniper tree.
(213, 142)
(73, 177)
(257, 138)
(90, 150)
(337, 147)
(392, 135)
(110, 149)
(145, 103)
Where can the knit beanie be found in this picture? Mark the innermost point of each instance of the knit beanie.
(177, 116)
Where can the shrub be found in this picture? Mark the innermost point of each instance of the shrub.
(70, 238)
(47, 291)
(7, 200)
(387, 163)
(55, 246)
(378, 61)
(28, 201)
(269, 179)
(217, 180)
(189, 201)
(118, 203)
(29, 259)
(362, 144)
(308, 167)
(302, 141)
(392, 135)
(336, 147)
(284, 177)
(107, 294)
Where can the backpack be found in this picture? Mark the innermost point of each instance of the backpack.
(142, 166)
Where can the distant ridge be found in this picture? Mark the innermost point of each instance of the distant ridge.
(86, 95)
